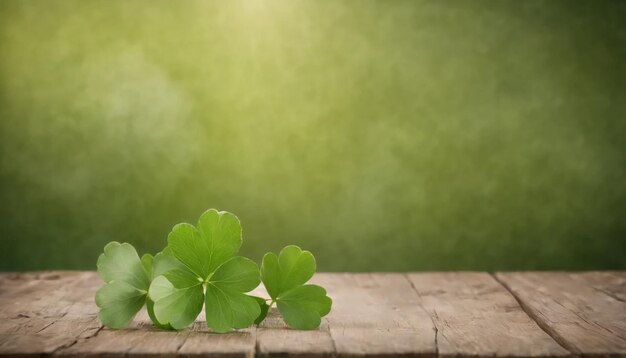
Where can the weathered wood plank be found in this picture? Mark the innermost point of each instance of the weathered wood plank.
(31, 345)
(377, 315)
(571, 307)
(373, 315)
(239, 344)
(476, 316)
(609, 282)
(46, 311)
(11, 283)
(28, 295)
(139, 339)
(274, 338)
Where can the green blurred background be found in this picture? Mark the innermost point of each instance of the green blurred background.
(381, 135)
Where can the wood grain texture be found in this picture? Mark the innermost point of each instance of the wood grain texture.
(585, 312)
(199, 342)
(274, 338)
(475, 316)
(138, 339)
(610, 283)
(41, 313)
(374, 315)
(377, 315)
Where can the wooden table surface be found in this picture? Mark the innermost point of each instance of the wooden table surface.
(469, 314)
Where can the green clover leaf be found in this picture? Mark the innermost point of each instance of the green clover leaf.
(284, 276)
(156, 266)
(126, 284)
(165, 261)
(226, 305)
(178, 296)
(203, 249)
(199, 267)
(211, 275)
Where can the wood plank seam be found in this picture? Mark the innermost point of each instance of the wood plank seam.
(180, 346)
(571, 304)
(332, 339)
(599, 289)
(432, 319)
(610, 294)
(260, 353)
(540, 322)
(376, 315)
(476, 317)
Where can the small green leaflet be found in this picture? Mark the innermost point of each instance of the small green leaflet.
(127, 279)
(197, 269)
(126, 284)
(284, 276)
(211, 275)
(163, 262)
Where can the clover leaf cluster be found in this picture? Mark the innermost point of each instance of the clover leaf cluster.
(199, 268)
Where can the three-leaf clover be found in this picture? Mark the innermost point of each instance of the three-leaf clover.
(127, 280)
(199, 267)
(210, 274)
(284, 276)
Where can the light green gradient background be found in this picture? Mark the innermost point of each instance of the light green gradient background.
(381, 135)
